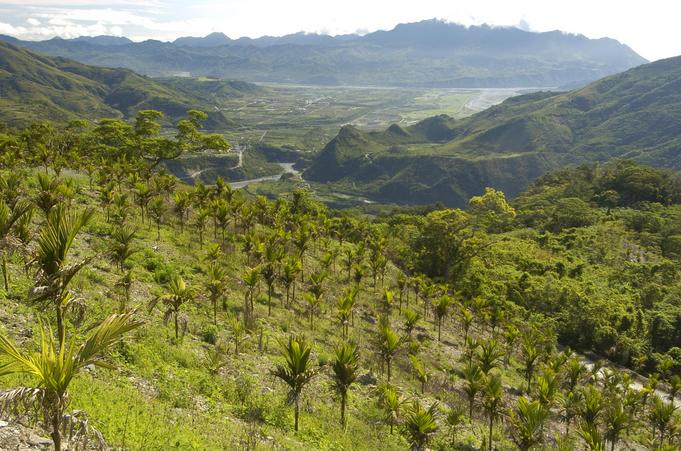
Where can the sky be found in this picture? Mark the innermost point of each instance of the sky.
(650, 27)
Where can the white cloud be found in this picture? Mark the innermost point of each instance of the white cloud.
(33, 21)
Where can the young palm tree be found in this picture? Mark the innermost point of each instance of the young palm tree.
(616, 420)
(455, 419)
(591, 407)
(401, 286)
(157, 210)
(125, 284)
(345, 367)
(511, 335)
(411, 320)
(467, 319)
(215, 286)
(316, 281)
(301, 241)
(296, 371)
(313, 305)
(592, 437)
(289, 272)
(547, 388)
(421, 372)
(570, 405)
(388, 344)
(121, 248)
(530, 358)
(492, 399)
(419, 425)
(273, 254)
(441, 311)
(488, 355)
(178, 294)
(661, 416)
(474, 382)
(53, 368)
(574, 372)
(200, 223)
(54, 274)
(674, 387)
(238, 331)
(345, 305)
(251, 279)
(143, 195)
(106, 197)
(48, 193)
(24, 234)
(181, 207)
(528, 420)
(387, 298)
(8, 217)
(389, 401)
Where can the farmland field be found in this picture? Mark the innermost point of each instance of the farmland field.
(307, 117)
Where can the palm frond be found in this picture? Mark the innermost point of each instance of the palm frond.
(104, 336)
(21, 401)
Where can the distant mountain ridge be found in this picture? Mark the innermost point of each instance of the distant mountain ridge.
(34, 87)
(633, 115)
(429, 53)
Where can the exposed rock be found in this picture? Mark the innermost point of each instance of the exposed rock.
(14, 436)
(35, 439)
(367, 379)
(368, 318)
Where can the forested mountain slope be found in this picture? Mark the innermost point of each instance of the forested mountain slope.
(633, 115)
(34, 87)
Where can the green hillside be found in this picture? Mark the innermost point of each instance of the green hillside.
(34, 87)
(203, 318)
(632, 115)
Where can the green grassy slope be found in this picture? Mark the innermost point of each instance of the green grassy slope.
(577, 279)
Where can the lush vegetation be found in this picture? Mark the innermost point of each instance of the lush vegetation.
(283, 323)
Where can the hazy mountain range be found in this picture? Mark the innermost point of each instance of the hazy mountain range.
(429, 53)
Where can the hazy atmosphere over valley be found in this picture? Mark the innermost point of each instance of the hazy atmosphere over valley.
(250, 225)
